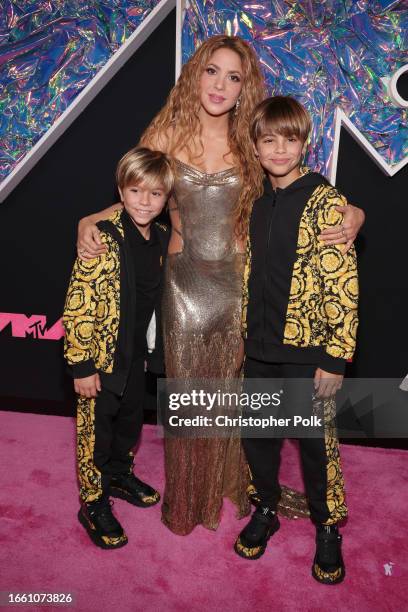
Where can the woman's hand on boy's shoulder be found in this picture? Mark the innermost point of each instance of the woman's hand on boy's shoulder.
(89, 242)
(345, 232)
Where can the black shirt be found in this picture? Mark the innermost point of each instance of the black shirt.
(146, 256)
(274, 229)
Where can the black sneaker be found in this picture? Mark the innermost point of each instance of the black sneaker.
(133, 490)
(253, 539)
(328, 565)
(102, 527)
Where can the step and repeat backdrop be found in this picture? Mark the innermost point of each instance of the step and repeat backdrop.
(347, 62)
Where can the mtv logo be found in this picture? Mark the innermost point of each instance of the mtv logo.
(33, 326)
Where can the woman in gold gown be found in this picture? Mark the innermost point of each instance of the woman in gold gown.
(201, 326)
(204, 126)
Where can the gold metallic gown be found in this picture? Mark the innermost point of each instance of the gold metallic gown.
(201, 319)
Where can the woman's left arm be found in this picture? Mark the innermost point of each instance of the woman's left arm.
(346, 232)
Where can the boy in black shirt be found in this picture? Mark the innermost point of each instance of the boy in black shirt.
(299, 322)
(109, 304)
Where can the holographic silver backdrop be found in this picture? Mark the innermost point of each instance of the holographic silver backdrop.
(49, 51)
(327, 53)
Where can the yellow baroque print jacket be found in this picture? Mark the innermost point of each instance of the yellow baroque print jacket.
(300, 296)
(99, 309)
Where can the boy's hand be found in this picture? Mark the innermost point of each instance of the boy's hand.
(327, 384)
(88, 386)
(345, 233)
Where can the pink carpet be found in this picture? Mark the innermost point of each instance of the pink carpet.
(44, 548)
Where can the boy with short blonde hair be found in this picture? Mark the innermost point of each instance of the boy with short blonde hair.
(109, 304)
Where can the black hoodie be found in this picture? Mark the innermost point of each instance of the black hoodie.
(291, 294)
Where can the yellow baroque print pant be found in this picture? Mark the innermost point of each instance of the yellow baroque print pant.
(90, 480)
(319, 453)
(108, 427)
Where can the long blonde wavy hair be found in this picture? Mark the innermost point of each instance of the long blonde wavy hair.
(180, 118)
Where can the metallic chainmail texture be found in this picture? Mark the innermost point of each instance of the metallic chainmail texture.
(201, 317)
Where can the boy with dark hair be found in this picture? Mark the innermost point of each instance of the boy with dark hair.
(109, 304)
(299, 322)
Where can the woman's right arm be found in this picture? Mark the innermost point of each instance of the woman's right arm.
(89, 243)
